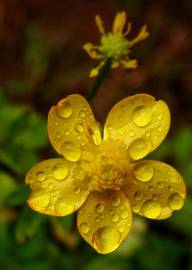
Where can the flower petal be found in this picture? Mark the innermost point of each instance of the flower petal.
(92, 51)
(140, 122)
(155, 189)
(105, 220)
(59, 187)
(119, 22)
(99, 24)
(72, 128)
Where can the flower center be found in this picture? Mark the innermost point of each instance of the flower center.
(106, 174)
(114, 45)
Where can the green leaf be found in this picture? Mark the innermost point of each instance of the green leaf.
(8, 186)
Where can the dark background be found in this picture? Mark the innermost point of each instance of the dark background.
(41, 61)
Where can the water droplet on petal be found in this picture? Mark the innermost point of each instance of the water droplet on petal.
(79, 128)
(143, 172)
(82, 113)
(159, 117)
(151, 188)
(142, 116)
(71, 151)
(60, 171)
(106, 239)
(131, 133)
(115, 218)
(41, 176)
(139, 148)
(138, 195)
(65, 109)
(151, 209)
(116, 201)
(175, 201)
(99, 208)
(63, 208)
(160, 185)
(170, 188)
(39, 198)
(84, 228)
(124, 214)
(76, 190)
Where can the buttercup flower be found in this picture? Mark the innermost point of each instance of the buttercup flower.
(115, 45)
(105, 178)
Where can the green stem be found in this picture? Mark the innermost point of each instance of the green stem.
(104, 70)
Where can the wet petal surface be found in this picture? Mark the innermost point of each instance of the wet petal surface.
(59, 187)
(139, 122)
(105, 220)
(154, 189)
(72, 128)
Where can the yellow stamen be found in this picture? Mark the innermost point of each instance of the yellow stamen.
(142, 35)
(92, 51)
(94, 72)
(129, 63)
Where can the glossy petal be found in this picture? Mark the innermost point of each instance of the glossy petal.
(59, 187)
(72, 129)
(105, 220)
(139, 122)
(119, 22)
(154, 189)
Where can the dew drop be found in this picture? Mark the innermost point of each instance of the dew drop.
(97, 219)
(142, 116)
(124, 214)
(115, 218)
(106, 239)
(159, 117)
(39, 198)
(76, 190)
(60, 171)
(155, 197)
(82, 113)
(170, 188)
(41, 176)
(131, 133)
(99, 208)
(139, 148)
(138, 195)
(143, 172)
(63, 208)
(84, 228)
(175, 201)
(160, 185)
(65, 109)
(79, 128)
(116, 201)
(121, 229)
(151, 209)
(71, 151)
(67, 132)
(151, 188)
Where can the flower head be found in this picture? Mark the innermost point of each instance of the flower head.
(115, 45)
(105, 178)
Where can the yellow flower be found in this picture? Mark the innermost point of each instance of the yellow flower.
(115, 45)
(104, 178)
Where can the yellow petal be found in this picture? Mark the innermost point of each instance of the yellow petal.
(92, 51)
(143, 33)
(119, 22)
(99, 23)
(72, 128)
(105, 220)
(139, 122)
(59, 187)
(95, 71)
(129, 63)
(154, 189)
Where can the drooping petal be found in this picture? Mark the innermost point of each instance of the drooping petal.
(119, 22)
(127, 63)
(92, 51)
(72, 128)
(95, 71)
(105, 220)
(139, 122)
(143, 33)
(99, 24)
(154, 189)
(59, 187)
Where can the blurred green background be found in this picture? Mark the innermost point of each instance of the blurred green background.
(41, 61)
